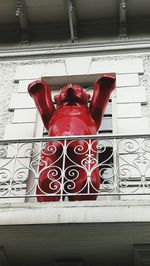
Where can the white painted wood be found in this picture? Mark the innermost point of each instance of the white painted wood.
(29, 72)
(126, 80)
(21, 101)
(129, 110)
(19, 131)
(78, 65)
(116, 66)
(24, 116)
(55, 68)
(131, 94)
(133, 126)
(23, 85)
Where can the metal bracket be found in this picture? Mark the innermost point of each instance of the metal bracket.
(72, 19)
(23, 20)
(123, 18)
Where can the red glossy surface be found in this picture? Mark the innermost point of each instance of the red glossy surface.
(71, 117)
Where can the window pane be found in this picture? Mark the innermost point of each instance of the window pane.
(106, 124)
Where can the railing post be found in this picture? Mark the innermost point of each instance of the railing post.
(63, 170)
(115, 164)
(89, 158)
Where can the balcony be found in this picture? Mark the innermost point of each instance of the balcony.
(75, 168)
(60, 229)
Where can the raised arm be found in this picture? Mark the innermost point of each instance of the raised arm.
(101, 94)
(41, 93)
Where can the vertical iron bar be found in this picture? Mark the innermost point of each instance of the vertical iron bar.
(63, 169)
(13, 170)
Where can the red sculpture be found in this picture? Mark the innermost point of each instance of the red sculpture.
(71, 117)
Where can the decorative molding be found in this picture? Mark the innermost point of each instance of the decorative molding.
(64, 50)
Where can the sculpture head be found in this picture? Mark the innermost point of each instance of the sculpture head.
(72, 95)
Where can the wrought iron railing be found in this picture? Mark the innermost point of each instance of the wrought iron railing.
(75, 168)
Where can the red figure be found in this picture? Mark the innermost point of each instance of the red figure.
(71, 117)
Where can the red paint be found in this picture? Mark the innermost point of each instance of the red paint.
(71, 117)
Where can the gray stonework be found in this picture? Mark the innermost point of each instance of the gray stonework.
(7, 85)
(7, 71)
(145, 81)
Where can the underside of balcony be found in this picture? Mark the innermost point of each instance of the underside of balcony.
(92, 244)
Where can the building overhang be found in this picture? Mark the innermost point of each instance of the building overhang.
(92, 233)
(24, 21)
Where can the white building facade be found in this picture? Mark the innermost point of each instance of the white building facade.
(114, 229)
